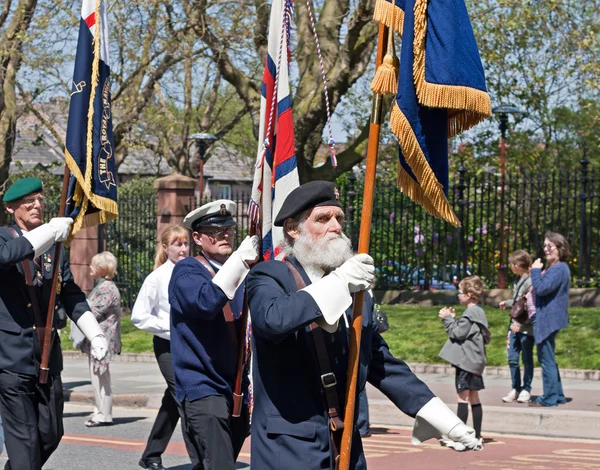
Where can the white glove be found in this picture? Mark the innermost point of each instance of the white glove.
(249, 249)
(44, 236)
(436, 420)
(235, 269)
(61, 227)
(358, 272)
(99, 347)
(91, 330)
(332, 292)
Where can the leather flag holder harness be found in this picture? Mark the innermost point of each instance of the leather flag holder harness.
(328, 378)
(233, 333)
(39, 324)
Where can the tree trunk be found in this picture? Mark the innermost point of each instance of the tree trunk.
(11, 58)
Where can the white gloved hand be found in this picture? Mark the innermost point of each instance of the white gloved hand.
(234, 270)
(44, 236)
(465, 435)
(61, 227)
(91, 330)
(99, 347)
(436, 420)
(358, 272)
(249, 249)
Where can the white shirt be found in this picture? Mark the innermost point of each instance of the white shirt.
(152, 311)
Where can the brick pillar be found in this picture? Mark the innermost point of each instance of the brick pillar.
(82, 249)
(174, 195)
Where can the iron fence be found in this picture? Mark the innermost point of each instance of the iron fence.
(412, 249)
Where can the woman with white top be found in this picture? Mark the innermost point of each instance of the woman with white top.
(151, 313)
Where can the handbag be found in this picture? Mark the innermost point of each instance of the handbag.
(381, 319)
(518, 312)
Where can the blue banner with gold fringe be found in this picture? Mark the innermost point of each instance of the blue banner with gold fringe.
(92, 192)
(441, 93)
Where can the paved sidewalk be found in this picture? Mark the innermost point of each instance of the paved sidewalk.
(138, 382)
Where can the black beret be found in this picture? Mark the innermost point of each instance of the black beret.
(22, 188)
(309, 195)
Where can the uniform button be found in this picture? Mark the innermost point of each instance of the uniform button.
(28, 305)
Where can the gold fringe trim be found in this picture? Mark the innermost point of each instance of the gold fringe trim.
(472, 105)
(431, 194)
(107, 208)
(388, 14)
(385, 81)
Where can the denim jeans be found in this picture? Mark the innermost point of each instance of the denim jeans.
(553, 391)
(520, 344)
(362, 423)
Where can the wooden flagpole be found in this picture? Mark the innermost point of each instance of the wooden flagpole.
(363, 247)
(47, 343)
(238, 396)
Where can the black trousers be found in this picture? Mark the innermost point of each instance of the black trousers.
(217, 436)
(169, 413)
(32, 417)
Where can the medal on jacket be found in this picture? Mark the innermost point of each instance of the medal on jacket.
(59, 284)
(47, 262)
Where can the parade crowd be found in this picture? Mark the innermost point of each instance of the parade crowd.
(300, 309)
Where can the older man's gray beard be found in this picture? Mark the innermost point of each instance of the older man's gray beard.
(325, 253)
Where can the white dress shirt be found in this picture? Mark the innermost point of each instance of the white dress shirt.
(152, 311)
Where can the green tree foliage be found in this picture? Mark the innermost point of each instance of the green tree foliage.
(543, 57)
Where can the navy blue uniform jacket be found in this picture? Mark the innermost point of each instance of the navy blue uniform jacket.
(289, 423)
(19, 347)
(204, 358)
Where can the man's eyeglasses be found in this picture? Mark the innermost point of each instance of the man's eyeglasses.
(29, 202)
(220, 233)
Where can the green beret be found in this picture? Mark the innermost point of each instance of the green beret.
(22, 188)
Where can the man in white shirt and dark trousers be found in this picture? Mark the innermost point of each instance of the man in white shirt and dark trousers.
(151, 313)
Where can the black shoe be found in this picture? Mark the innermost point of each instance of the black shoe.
(151, 466)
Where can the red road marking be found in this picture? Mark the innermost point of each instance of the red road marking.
(390, 448)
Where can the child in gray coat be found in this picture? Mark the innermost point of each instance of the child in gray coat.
(465, 349)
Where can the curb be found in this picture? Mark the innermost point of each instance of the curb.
(580, 374)
(417, 367)
(123, 357)
(574, 424)
(133, 400)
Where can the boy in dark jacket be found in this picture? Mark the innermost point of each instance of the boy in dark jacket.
(465, 349)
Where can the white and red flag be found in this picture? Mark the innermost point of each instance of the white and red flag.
(276, 173)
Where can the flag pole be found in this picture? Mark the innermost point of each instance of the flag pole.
(363, 247)
(238, 396)
(47, 343)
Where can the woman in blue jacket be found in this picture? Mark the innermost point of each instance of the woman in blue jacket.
(551, 287)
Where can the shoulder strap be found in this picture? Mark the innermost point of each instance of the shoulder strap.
(40, 324)
(518, 288)
(227, 307)
(328, 378)
(35, 305)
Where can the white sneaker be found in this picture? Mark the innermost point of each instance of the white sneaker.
(524, 396)
(512, 396)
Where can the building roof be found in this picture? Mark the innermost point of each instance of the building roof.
(35, 146)
(227, 164)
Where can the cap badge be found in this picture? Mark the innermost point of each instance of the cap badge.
(336, 193)
(223, 210)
